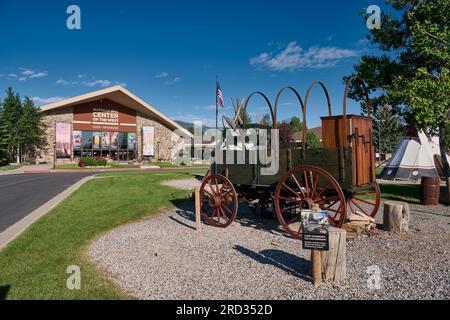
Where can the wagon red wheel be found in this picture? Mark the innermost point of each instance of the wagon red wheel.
(218, 199)
(366, 201)
(207, 174)
(302, 188)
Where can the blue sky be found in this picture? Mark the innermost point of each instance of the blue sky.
(169, 52)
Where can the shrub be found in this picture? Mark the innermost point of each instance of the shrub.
(92, 162)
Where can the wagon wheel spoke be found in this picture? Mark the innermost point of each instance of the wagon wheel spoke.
(314, 188)
(306, 183)
(351, 207)
(223, 213)
(369, 206)
(363, 200)
(294, 219)
(210, 186)
(323, 190)
(225, 207)
(359, 207)
(208, 193)
(291, 190)
(298, 185)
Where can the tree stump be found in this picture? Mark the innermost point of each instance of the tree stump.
(396, 216)
(334, 267)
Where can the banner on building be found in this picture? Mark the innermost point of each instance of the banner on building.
(63, 139)
(148, 141)
(105, 140)
(114, 140)
(96, 137)
(131, 141)
(77, 139)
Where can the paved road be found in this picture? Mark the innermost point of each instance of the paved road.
(20, 194)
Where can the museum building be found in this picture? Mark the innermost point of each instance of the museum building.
(111, 123)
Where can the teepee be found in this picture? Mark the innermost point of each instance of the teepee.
(413, 159)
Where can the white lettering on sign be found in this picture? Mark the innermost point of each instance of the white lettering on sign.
(105, 115)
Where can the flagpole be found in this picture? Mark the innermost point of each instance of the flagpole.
(217, 106)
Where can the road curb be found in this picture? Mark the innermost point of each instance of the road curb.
(19, 227)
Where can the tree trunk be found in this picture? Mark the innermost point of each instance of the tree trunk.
(444, 160)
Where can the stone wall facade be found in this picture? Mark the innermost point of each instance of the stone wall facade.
(167, 145)
(64, 115)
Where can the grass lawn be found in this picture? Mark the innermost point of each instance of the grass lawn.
(34, 265)
(10, 167)
(169, 164)
(401, 192)
(75, 166)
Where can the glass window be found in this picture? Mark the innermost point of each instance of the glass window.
(123, 140)
(87, 139)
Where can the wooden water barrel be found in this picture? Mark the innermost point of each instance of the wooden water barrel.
(430, 191)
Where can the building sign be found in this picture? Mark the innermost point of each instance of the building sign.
(103, 116)
(148, 141)
(63, 140)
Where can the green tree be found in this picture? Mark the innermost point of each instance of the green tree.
(312, 141)
(387, 130)
(31, 128)
(10, 116)
(412, 73)
(296, 124)
(21, 127)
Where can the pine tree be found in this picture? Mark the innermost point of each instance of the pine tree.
(10, 131)
(387, 130)
(31, 127)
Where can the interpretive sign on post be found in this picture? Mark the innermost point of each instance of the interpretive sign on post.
(315, 237)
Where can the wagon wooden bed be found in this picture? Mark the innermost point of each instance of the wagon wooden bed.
(339, 177)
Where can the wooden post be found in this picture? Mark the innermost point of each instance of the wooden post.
(334, 266)
(316, 257)
(197, 209)
(396, 216)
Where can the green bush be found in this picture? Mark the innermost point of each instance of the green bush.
(92, 162)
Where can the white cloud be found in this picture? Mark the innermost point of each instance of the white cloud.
(162, 75)
(94, 83)
(190, 118)
(211, 107)
(62, 82)
(102, 83)
(294, 57)
(43, 101)
(39, 75)
(31, 74)
(12, 75)
(173, 81)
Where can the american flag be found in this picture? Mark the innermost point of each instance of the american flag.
(219, 94)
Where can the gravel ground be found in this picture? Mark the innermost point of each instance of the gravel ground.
(185, 184)
(163, 257)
